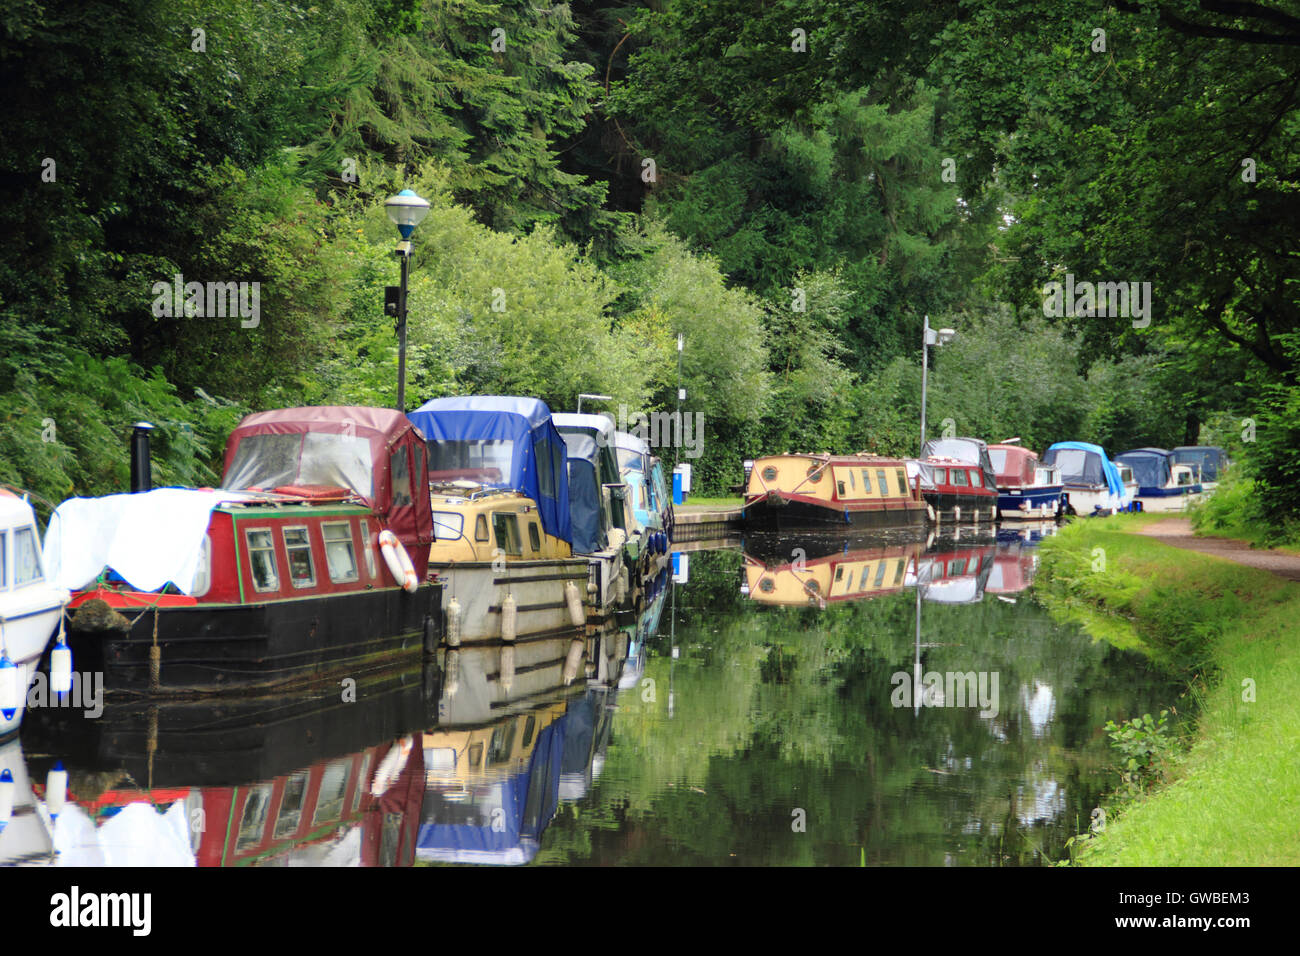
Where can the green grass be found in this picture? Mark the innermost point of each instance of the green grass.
(711, 504)
(1233, 798)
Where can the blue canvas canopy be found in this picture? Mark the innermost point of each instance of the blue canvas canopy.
(1152, 467)
(1093, 467)
(1209, 458)
(502, 441)
(476, 832)
(586, 511)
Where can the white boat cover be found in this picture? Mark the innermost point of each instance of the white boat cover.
(149, 539)
(138, 835)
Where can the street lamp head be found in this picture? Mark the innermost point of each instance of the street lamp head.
(946, 336)
(406, 210)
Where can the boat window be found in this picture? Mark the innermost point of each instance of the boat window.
(769, 473)
(447, 525)
(880, 574)
(852, 482)
(401, 472)
(902, 480)
(340, 557)
(839, 574)
(839, 486)
(530, 726)
(476, 757)
(881, 483)
(370, 550)
(998, 458)
(975, 479)
(4, 550)
(203, 575)
(866, 482)
(261, 560)
(503, 740)
(333, 790)
(815, 473)
(866, 572)
(505, 528)
(298, 546)
(27, 557)
(940, 476)
(295, 793)
(480, 528)
(488, 462)
(958, 476)
(957, 566)
(545, 475)
(534, 537)
(253, 820)
(898, 571)
(362, 776)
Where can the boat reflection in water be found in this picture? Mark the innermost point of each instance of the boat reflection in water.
(812, 570)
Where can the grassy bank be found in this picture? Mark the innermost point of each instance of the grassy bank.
(1232, 796)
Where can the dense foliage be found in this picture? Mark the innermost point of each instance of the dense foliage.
(790, 186)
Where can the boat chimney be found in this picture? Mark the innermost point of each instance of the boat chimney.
(141, 478)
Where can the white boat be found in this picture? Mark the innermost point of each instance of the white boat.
(1091, 481)
(30, 607)
(1163, 484)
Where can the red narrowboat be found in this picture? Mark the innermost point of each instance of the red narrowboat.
(957, 492)
(297, 569)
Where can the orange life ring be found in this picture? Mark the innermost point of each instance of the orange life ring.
(398, 561)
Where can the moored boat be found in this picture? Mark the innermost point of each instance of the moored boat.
(1092, 483)
(1028, 490)
(957, 492)
(1207, 462)
(502, 544)
(30, 608)
(300, 567)
(1163, 483)
(842, 492)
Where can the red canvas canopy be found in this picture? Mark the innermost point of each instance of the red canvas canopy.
(1017, 465)
(376, 453)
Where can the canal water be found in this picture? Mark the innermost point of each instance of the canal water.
(775, 705)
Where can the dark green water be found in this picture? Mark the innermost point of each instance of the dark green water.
(780, 710)
(738, 733)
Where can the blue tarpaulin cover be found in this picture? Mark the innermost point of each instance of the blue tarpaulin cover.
(537, 463)
(526, 801)
(1097, 468)
(585, 508)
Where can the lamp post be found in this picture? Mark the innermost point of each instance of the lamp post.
(935, 337)
(406, 209)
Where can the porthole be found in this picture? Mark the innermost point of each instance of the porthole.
(769, 473)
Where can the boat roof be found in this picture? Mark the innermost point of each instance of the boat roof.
(1161, 452)
(383, 429)
(537, 451)
(596, 424)
(14, 510)
(631, 442)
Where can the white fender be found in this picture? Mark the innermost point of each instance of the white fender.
(576, 613)
(398, 561)
(453, 622)
(509, 618)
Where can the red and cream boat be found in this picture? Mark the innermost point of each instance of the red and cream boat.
(298, 568)
(831, 491)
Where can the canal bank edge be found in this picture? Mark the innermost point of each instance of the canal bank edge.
(1233, 633)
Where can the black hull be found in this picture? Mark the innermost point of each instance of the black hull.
(251, 647)
(799, 516)
(232, 741)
